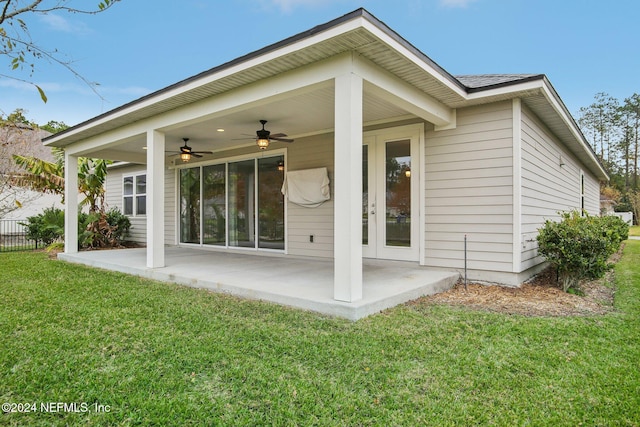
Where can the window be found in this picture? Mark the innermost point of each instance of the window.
(582, 193)
(233, 204)
(134, 195)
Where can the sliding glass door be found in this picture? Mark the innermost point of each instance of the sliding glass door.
(190, 205)
(242, 204)
(214, 208)
(270, 203)
(234, 204)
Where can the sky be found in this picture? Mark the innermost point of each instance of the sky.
(137, 47)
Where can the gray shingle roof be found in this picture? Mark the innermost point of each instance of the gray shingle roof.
(483, 81)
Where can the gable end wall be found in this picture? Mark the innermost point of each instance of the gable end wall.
(469, 190)
(547, 187)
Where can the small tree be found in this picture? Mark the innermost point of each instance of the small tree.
(579, 246)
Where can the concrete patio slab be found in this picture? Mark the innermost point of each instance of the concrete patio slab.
(300, 283)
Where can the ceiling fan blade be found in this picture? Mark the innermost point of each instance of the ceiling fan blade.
(277, 135)
(202, 152)
(282, 139)
(195, 155)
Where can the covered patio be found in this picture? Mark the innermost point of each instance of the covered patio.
(301, 283)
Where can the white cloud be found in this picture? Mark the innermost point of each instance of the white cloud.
(59, 23)
(289, 5)
(456, 3)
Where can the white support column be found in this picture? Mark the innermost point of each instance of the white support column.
(70, 204)
(347, 246)
(155, 199)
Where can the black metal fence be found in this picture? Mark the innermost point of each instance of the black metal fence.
(13, 236)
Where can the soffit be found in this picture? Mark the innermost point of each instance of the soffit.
(540, 106)
(359, 40)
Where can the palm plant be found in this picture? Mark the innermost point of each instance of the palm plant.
(48, 177)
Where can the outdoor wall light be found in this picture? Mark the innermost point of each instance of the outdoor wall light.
(407, 173)
(281, 166)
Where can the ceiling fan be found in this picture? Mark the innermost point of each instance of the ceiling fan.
(186, 152)
(263, 137)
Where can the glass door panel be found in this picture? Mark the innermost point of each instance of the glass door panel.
(190, 205)
(242, 204)
(398, 193)
(390, 212)
(270, 203)
(365, 194)
(214, 205)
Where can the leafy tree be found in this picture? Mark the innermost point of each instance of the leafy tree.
(17, 118)
(599, 121)
(16, 44)
(48, 177)
(613, 130)
(16, 135)
(631, 111)
(54, 126)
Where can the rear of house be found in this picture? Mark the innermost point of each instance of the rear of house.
(393, 159)
(465, 185)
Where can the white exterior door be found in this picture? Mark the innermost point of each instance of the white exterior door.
(390, 200)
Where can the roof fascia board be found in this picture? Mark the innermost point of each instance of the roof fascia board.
(511, 89)
(284, 85)
(554, 100)
(269, 53)
(402, 94)
(345, 24)
(542, 84)
(397, 42)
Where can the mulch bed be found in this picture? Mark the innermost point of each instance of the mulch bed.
(540, 296)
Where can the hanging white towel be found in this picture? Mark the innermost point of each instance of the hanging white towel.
(308, 188)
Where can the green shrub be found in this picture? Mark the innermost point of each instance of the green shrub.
(579, 246)
(120, 223)
(103, 229)
(98, 229)
(46, 227)
(617, 229)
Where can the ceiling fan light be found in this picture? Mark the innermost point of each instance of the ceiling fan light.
(185, 157)
(263, 143)
(281, 165)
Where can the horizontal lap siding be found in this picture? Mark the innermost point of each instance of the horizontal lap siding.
(113, 186)
(308, 153)
(547, 187)
(469, 190)
(138, 231)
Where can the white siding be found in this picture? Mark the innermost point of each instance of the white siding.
(469, 190)
(138, 230)
(548, 187)
(306, 153)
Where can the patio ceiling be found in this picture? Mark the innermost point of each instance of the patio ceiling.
(298, 116)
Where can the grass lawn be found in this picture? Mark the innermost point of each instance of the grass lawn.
(634, 230)
(157, 354)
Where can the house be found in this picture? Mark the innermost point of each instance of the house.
(417, 160)
(17, 203)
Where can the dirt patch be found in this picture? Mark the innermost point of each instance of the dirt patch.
(539, 296)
